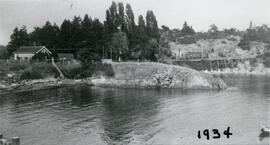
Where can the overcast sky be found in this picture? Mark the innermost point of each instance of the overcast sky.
(198, 13)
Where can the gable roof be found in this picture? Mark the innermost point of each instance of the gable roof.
(32, 49)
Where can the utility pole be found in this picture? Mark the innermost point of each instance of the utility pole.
(120, 32)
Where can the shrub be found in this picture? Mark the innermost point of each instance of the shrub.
(45, 69)
(266, 59)
(87, 70)
(17, 67)
(30, 74)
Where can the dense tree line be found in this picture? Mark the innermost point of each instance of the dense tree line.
(118, 36)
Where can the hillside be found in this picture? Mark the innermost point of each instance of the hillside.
(226, 47)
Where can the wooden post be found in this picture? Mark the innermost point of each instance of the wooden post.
(111, 53)
(15, 141)
(211, 65)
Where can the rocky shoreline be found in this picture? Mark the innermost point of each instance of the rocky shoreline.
(156, 75)
(28, 85)
(130, 75)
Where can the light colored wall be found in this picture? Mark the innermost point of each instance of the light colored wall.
(23, 56)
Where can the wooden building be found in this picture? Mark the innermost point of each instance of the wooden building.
(29, 52)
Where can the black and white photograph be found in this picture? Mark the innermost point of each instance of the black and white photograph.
(134, 72)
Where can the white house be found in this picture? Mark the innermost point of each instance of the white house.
(28, 52)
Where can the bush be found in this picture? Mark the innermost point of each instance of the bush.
(87, 70)
(266, 59)
(18, 66)
(30, 75)
(45, 69)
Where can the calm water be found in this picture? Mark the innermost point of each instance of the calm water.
(86, 115)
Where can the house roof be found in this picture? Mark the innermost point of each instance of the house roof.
(31, 49)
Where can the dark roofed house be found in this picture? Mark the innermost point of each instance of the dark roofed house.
(28, 52)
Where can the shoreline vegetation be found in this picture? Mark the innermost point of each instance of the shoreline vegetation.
(122, 75)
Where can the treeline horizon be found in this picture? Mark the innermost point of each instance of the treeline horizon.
(91, 39)
(120, 36)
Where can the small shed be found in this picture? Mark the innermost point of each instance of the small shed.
(28, 52)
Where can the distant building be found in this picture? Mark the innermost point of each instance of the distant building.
(65, 56)
(28, 52)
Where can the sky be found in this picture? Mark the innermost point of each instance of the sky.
(198, 13)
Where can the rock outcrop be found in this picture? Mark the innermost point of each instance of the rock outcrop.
(156, 75)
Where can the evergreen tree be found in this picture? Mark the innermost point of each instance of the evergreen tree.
(65, 35)
(120, 42)
(121, 22)
(142, 39)
(114, 17)
(76, 36)
(18, 38)
(187, 30)
(87, 35)
(152, 25)
(47, 35)
(131, 26)
(130, 19)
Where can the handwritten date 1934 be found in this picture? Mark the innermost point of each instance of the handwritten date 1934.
(215, 133)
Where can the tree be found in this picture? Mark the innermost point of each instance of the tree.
(76, 36)
(46, 35)
(120, 42)
(165, 28)
(93, 40)
(130, 19)
(161, 50)
(121, 17)
(187, 30)
(87, 34)
(259, 33)
(18, 38)
(141, 39)
(130, 27)
(65, 34)
(113, 16)
(98, 37)
(152, 25)
(213, 29)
